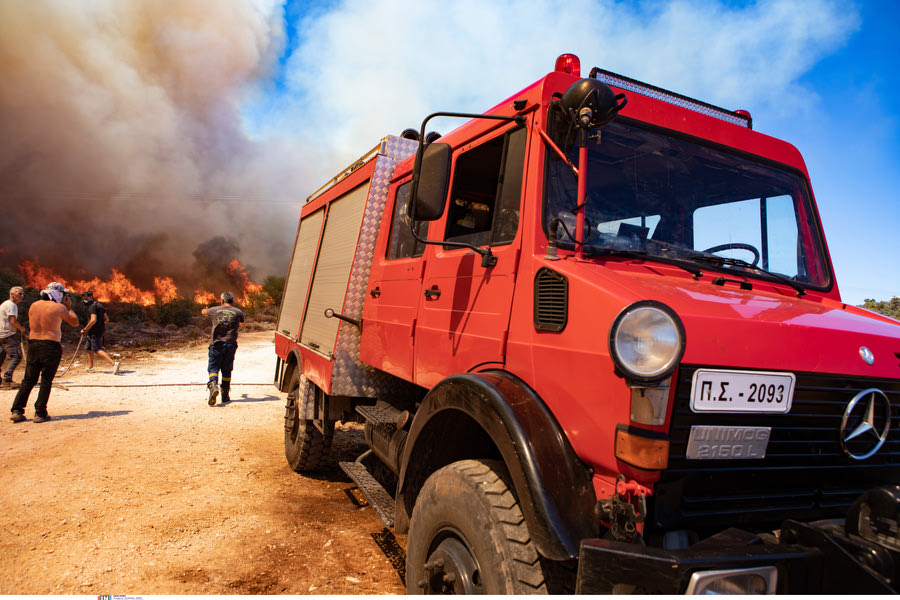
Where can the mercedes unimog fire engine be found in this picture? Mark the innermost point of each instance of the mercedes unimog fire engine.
(597, 344)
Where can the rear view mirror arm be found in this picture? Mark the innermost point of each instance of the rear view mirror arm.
(487, 257)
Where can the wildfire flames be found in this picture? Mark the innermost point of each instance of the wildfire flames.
(119, 288)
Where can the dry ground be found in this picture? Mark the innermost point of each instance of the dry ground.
(138, 487)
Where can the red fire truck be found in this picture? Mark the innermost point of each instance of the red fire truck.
(597, 344)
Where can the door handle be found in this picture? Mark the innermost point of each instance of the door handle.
(432, 293)
(375, 293)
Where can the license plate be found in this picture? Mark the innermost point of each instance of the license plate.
(741, 391)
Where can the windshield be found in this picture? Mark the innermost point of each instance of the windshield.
(672, 199)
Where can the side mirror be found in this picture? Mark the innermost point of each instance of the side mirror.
(433, 182)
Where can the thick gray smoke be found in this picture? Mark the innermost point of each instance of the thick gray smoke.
(122, 142)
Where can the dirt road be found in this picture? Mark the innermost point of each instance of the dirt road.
(138, 487)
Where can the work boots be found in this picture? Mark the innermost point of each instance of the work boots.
(213, 388)
(225, 395)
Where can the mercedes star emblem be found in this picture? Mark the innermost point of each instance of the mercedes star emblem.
(866, 422)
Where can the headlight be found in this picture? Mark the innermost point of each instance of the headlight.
(646, 341)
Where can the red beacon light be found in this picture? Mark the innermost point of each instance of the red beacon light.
(568, 63)
(746, 114)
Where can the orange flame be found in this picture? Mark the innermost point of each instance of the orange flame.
(237, 271)
(165, 289)
(204, 297)
(37, 276)
(119, 288)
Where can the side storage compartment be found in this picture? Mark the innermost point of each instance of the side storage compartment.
(330, 270)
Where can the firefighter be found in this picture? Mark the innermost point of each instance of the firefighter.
(226, 319)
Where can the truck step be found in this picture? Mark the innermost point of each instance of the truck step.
(384, 415)
(379, 499)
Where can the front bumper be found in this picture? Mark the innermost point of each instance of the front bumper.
(808, 559)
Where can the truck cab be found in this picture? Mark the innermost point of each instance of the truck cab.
(596, 340)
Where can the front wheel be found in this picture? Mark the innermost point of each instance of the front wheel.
(305, 447)
(467, 535)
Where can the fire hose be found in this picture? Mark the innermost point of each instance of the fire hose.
(66, 386)
(77, 348)
(71, 362)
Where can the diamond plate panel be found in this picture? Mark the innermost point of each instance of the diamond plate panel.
(350, 377)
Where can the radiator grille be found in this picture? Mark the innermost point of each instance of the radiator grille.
(805, 474)
(551, 300)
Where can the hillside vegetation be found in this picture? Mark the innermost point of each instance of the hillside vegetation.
(891, 307)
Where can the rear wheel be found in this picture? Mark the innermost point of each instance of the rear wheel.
(305, 447)
(467, 535)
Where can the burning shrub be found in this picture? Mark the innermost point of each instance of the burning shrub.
(274, 287)
(254, 302)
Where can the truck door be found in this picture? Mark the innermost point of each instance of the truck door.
(395, 286)
(464, 308)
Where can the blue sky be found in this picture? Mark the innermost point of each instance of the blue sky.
(851, 143)
(819, 74)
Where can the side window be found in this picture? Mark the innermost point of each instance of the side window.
(402, 243)
(487, 192)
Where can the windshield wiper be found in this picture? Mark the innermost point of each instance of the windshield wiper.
(643, 255)
(737, 262)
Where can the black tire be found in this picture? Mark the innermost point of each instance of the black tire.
(467, 535)
(304, 445)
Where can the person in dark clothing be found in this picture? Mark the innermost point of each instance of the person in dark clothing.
(94, 331)
(226, 319)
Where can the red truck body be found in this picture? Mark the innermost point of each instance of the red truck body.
(537, 335)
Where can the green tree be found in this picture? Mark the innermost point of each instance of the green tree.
(890, 308)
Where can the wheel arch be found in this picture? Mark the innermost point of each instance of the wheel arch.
(493, 414)
(292, 364)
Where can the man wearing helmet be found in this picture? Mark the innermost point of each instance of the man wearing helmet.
(44, 350)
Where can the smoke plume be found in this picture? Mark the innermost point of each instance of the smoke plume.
(122, 142)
